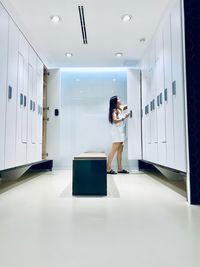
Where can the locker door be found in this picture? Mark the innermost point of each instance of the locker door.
(39, 107)
(170, 158)
(30, 107)
(144, 88)
(3, 72)
(178, 89)
(34, 115)
(134, 123)
(32, 118)
(21, 134)
(160, 100)
(11, 110)
(53, 125)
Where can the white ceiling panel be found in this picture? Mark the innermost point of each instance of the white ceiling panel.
(106, 33)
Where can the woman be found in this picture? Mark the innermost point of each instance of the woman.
(116, 118)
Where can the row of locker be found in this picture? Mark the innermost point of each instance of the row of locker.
(21, 102)
(164, 131)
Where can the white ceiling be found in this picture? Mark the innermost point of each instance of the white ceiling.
(106, 33)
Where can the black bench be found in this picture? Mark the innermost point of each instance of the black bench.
(89, 175)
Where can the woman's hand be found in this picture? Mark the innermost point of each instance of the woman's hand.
(127, 115)
(123, 107)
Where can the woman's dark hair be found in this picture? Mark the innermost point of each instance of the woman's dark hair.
(112, 106)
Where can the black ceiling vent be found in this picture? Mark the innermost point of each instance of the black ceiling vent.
(82, 21)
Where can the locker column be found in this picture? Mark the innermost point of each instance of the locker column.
(3, 72)
(32, 116)
(22, 91)
(10, 138)
(39, 107)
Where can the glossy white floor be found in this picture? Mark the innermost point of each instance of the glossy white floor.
(141, 224)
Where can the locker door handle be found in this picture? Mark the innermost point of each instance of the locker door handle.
(31, 104)
(153, 104)
(9, 92)
(174, 87)
(24, 101)
(38, 109)
(164, 142)
(161, 99)
(21, 99)
(147, 109)
(158, 100)
(131, 113)
(165, 94)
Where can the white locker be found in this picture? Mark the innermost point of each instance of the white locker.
(3, 73)
(10, 139)
(39, 107)
(22, 90)
(170, 156)
(53, 125)
(160, 100)
(178, 88)
(144, 88)
(134, 123)
(32, 116)
(152, 105)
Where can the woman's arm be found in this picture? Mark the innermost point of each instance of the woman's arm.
(116, 120)
(123, 107)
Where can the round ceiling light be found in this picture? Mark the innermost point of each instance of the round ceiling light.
(143, 39)
(119, 54)
(126, 17)
(55, 18)
(68, 54)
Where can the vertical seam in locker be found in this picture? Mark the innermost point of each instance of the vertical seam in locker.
(185, 103)
(141, 113)
(6, 93)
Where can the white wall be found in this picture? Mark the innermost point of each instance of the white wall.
(84, 113)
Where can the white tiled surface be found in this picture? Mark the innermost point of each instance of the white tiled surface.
(149, 225)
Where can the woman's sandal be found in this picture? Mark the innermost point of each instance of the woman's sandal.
(111, 172)
(123, 171)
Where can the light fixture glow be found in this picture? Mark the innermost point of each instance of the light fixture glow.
(119, 54)
(55, 18)
(126, 17)
(68, 54)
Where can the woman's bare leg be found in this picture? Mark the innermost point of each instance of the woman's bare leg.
(119, 156)
(111, 155)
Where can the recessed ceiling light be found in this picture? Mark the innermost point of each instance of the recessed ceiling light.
(119, 54)
(126, 17)
(143, 39)
(55, 18)
(68, 54)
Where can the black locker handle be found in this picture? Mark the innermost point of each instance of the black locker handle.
(9, 92)
(153, 104)
(24, 101)
(31, 104)
(161, 99)
(174, 87)
(21, 99)
(165, 94)
(131, 113)
(158, 100)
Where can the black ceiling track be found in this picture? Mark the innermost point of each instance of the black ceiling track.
(82, 21)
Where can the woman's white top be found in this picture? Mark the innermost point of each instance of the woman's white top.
(118, 130)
